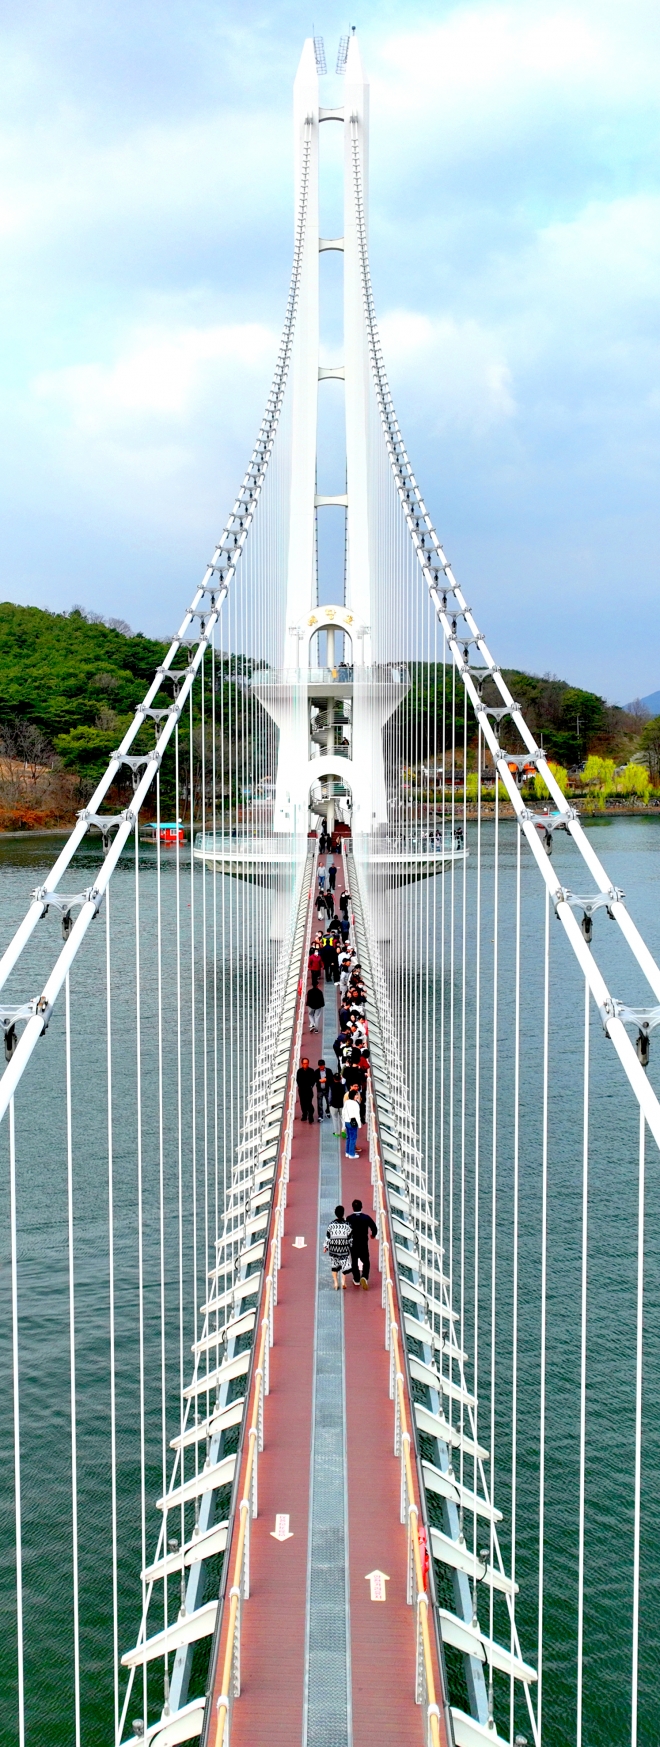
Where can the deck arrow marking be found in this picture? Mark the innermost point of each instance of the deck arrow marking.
(377, 1579)
(299, 1243)
(281, 1531)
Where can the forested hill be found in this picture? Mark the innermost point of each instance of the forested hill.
(76, 679)
(63, 670)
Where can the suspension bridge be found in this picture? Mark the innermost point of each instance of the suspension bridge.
(244, 1505)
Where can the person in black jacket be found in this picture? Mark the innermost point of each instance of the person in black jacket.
(306, 1081)
(362, 1227)
(314, 1001)
(330, 959)
(324, 1078)
(332, 876)
(340, 1044)
(337, 1091)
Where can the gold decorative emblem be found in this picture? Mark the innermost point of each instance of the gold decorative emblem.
(330, 613)
(312, 619)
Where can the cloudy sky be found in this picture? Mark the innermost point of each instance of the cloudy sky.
(145, 227)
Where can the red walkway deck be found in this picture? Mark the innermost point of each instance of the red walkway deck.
(273, 1635)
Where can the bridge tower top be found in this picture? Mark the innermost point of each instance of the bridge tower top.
(307, 371)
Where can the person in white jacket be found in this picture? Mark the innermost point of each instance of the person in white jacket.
(351, 1115)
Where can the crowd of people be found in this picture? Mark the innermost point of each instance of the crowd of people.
(339, 1091)
(325, 902)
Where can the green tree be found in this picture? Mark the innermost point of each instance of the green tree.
(88, 750)
(650, 742)
(634, 780)
(599, 773)
(560, 775)
(59, 670)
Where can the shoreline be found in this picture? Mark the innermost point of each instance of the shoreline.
(460, 812)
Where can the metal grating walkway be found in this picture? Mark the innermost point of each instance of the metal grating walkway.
(327, 1672)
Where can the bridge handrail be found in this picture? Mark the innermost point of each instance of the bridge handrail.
(402, 1439)
(223, 1706)
(441, 583)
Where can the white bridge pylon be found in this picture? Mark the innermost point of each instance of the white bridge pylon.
(346, 695)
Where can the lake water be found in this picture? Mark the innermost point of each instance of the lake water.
(220, 1025)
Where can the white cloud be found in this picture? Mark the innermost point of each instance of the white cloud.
(164, 375)
(461, 377)
(486, 60)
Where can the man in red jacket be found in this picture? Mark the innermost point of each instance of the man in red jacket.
(316, 966)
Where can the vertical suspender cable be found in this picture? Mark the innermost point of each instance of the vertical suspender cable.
(442, 942)
(140, 1222)
(20, 1670)
(463, 1083)
(477, 1153)
(72, 1365)
(583, 1369)
(434, 928)
(493, 1234)
(179, 1095)
(193, 1053)
(216, 1226)
(205, 1043)
(514, 1286)
(544, 1303)
(111, 1314)
(638, 1433)
(161, 1189)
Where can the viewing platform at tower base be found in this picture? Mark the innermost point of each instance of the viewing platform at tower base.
(266, 860)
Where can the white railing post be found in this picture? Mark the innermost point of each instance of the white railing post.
(245, 1583)
(260, 1420)
(253, 1437)
(410, 1575)
(420, 1672)
(236, 1658)
(405, 1445)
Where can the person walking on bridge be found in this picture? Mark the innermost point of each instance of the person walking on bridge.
(321, 879)
(338, 1246)
(351, 1121)
(344, 970)
(336, 1102)
(332, 876)
(315, 1002)
(323, 1088)
(340, 1044)
(330, 959)
(363, 1227)
(315, 965)
(305, 1080)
